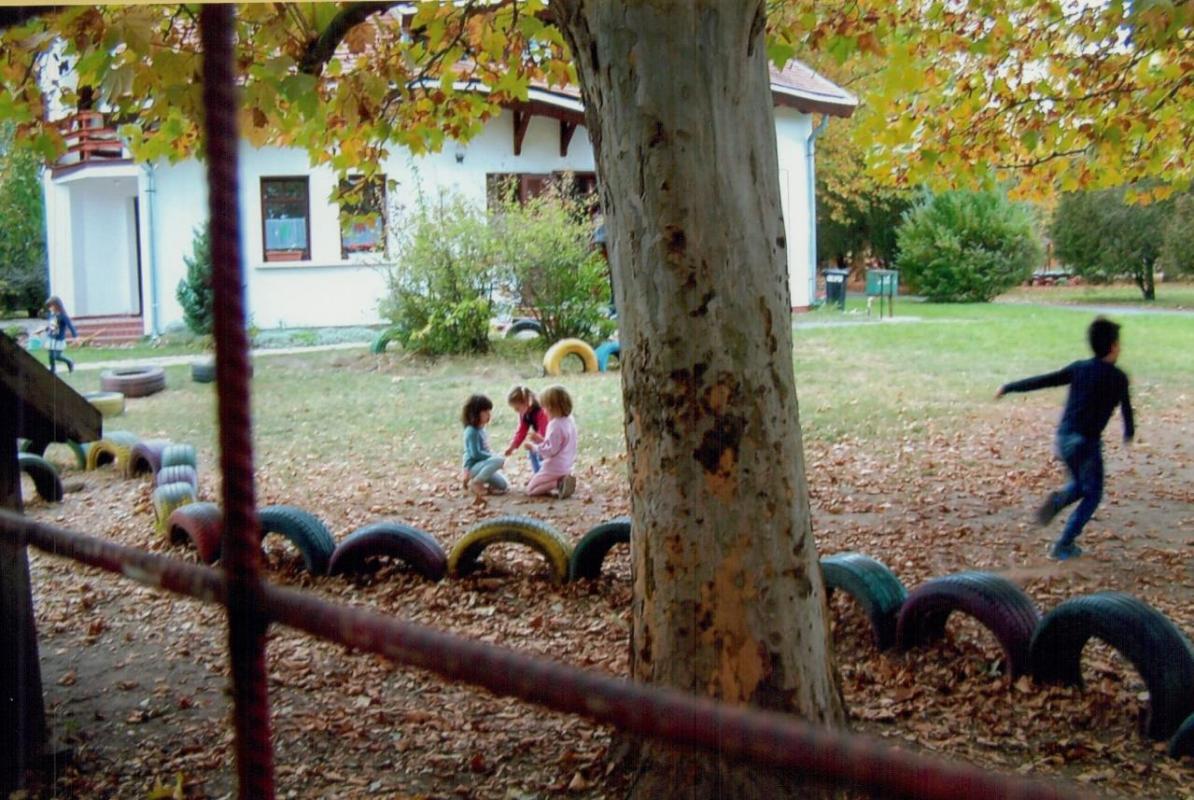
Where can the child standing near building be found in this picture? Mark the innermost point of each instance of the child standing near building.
(482, 469)
(557, 448)
(58, 323)
(1097, 386)
(531, 417)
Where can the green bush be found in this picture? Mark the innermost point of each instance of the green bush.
(549, 265)
(440, 297)
(195, 293)
(966, 246)
(1177, 246)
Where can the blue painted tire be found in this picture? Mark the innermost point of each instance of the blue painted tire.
(605, 351)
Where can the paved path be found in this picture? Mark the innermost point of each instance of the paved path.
(173, 361)
(1108, 310)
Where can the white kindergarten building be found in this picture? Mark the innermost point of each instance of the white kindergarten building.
(118, 231)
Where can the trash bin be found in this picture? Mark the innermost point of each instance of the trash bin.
(835, 287)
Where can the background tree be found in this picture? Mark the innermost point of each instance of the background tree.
(1102, 236)
(1177, 243)
(194, 292)
(967, 246)
(24, 281)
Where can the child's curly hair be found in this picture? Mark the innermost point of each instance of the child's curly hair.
(471, 413)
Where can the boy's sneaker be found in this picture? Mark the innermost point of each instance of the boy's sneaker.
(566, 486)
(1064, 553)
(1048, 510)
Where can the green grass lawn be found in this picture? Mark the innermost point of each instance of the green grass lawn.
(1169, 295)
(869, 380)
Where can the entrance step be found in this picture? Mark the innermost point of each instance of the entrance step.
(106, 330)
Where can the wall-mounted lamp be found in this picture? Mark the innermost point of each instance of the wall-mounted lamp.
(459, 155)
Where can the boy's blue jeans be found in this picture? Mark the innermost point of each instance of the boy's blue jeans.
(1084, 459)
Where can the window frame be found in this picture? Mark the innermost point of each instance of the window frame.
(305, 255)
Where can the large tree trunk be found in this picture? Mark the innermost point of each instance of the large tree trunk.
(728, 596)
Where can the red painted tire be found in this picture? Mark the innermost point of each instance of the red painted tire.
(998, 604)
(416, 548)
(200, 523)
(146, 457)
(133, 381)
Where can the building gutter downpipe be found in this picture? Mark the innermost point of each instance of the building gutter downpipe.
(810, 152)
(151, 235)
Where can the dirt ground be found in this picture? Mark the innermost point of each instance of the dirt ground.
(136, 681)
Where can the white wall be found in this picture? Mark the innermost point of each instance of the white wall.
(328, 290)
(85, 217)
(792, 130)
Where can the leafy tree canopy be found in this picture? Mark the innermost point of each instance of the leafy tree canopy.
(1043, 93)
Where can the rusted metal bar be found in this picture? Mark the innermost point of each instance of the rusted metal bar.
(732, 732)
(241, 545)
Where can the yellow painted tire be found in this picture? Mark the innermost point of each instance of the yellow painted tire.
(568, 347)
(537, 535)
(109, 404)
(115, 448)
(166, 499)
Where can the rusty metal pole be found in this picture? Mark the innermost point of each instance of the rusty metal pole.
(241, 546)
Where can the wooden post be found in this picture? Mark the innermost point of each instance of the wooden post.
(22, 710)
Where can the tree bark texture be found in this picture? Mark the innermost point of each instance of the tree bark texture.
(728, 598)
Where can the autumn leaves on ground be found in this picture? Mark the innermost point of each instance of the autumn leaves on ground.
(909, 460)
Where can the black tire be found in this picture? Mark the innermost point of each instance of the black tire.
(417, 548)
(44, 475)
(539, 536)
(179, 473)
(203, 371)
(133, 381)
(305, 531)
(1159, 651)
(590, 552)
(29, 446)
(202, 524)
(998, 604)
(873, 586)
(177, 454)
(146, 457)
(1182, 743)
(524, 326)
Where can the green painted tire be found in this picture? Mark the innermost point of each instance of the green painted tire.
(382, 341)
(109, 404)
(166, 499)
(179, 454)
(44, 475)
(537, 535)
(302, 529)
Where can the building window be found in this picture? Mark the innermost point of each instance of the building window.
(286, 219)
(362, 215)
(522, 186)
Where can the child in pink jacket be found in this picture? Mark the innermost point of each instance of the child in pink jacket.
(557, 449)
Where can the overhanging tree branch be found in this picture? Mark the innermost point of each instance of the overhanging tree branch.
(18, 15)
(323, 47)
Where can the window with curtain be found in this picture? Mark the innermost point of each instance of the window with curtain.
(363, 215)
(286, 219)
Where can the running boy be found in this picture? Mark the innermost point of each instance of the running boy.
(1097, 386)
